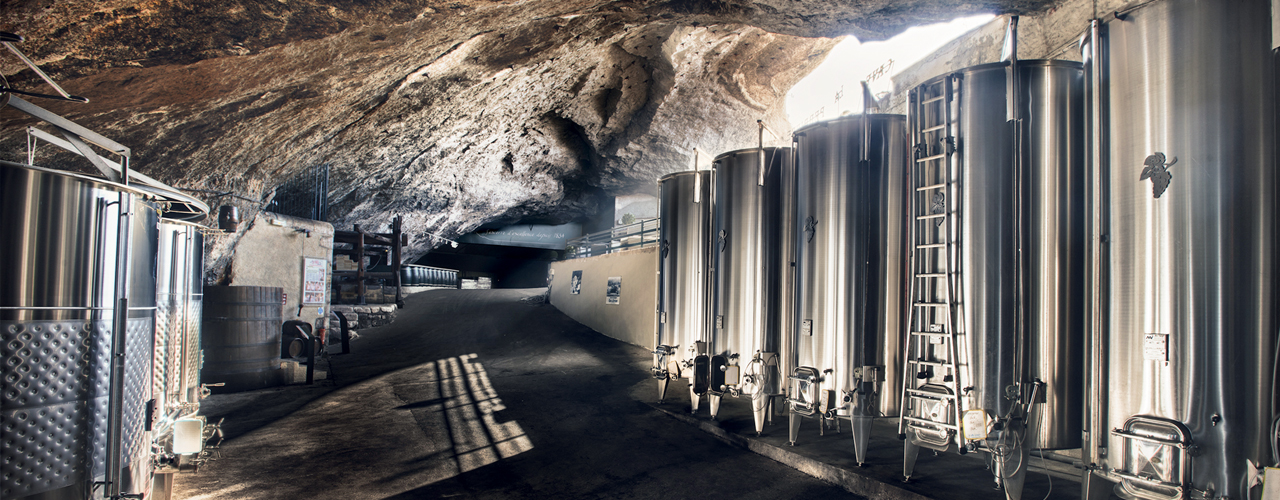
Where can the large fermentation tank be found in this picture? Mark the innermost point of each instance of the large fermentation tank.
(1015, 198)
(684, 213)
(179, 301)
(849, 258)
(750, 258)
(1183, 356)
(62, 242)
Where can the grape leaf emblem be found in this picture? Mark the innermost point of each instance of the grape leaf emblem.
(1158, 171)
(810, 226)
(938, 205)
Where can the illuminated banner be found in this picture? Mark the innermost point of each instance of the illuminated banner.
(527, 235)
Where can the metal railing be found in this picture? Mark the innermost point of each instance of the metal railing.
(304, 195)
(638, 234)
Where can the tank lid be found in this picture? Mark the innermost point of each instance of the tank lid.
(767, 149)
(686, 172)
(98, 181)
(848, 118)
(1024, 63)
(180, 206)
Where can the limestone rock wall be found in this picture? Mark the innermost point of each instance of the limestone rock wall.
(452, 114)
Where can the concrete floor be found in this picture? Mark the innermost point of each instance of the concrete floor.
(479, 394)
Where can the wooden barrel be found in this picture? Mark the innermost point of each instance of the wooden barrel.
(241, 337)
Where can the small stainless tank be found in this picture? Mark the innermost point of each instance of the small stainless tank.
(750, 261)
(179, 299)
(58, 243)
(1183, 353)
(684, 213)
(850, 229)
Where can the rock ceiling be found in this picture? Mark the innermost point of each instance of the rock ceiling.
(451, 113)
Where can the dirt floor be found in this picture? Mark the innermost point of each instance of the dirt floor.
(478, 394)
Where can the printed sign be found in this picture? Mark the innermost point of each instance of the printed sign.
(1155, 347)
(313, 280)
(613, 293)
(575, 283)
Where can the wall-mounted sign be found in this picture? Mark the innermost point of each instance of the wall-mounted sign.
(613, 292)
(527, 235)
(313, 280)
(575, 283)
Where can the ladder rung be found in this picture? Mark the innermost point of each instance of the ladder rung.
(931, 216)
(930, 394)
(931, 158)
(931, 186)
(931, 275)
(922, 421)
(934, 128)
(932, 334)
(938, 364)
(932, 245)
(931, 304)
(932, 100)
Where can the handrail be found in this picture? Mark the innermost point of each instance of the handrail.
(638, 234)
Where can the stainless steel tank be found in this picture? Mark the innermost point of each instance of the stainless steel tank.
(1183, 351)
(179, 300)
(61, 250)
(684, 213)
(849, 258)
(1015, 199)
(750, 262)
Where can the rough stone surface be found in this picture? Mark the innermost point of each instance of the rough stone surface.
(452, 114)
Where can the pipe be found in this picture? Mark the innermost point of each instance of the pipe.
(697, 178)
(1095, 410)
(760, 158)
(119, 331)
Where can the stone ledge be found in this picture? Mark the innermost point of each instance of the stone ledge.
(366, 316)
(945, 476)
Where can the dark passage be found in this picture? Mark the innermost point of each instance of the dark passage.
(479, 394)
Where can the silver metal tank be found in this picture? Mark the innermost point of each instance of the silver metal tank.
(59, 245)
(179, 300)
(1011, 189)
(1183, 345)
(849, 258)
(750, 262)
(684, 213)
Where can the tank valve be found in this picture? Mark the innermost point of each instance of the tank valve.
(204, 389)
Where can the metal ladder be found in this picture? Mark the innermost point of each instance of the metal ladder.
(931, 376)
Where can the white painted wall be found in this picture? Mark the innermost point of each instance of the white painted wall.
(270, 254)
(632, 319)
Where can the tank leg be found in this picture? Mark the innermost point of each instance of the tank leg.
(861, 431)
(909, 453)
(714, 399)
(1095, 487)
(793, 424)
(161, 487)
(693, 398)
(759, 409)
(662, 389)
(1011, 461)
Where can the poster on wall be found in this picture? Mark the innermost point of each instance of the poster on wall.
(575, 283)
(313, 274)
(614, 291)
